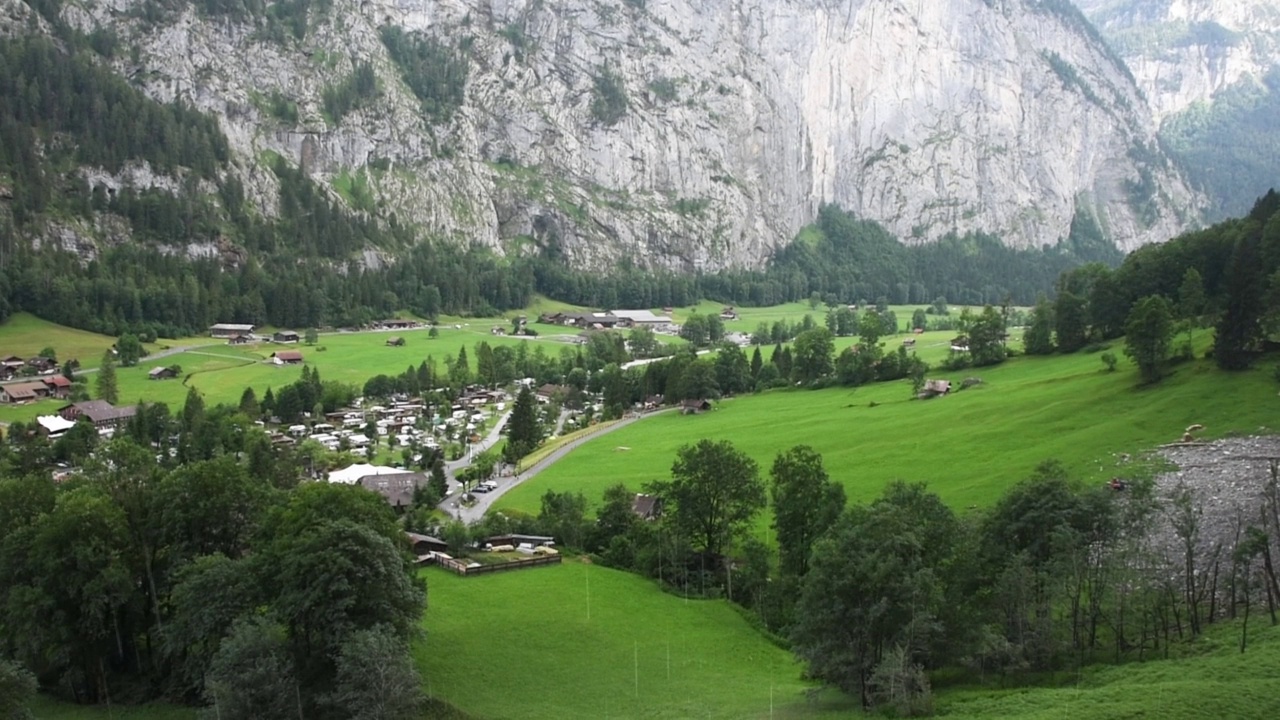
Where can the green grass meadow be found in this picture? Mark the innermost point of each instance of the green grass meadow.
(1212, 680)
(968, 446)
(25, 335)
(523, 645)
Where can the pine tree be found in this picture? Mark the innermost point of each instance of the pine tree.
(439, 483)
(1039, 337)
(1240, 327)
(249, 403)
(106, 384)
(524, 432)
(757, 362)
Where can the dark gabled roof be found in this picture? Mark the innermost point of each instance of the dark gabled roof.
(26, 391)
(646, 506)
(102, 411)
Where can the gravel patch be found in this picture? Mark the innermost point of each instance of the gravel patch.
(1226, 478)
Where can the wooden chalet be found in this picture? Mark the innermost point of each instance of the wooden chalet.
(287, 357)
(285, 336)
(230, 330)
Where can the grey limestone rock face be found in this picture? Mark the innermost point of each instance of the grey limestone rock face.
(1184, 52)
(742, 118)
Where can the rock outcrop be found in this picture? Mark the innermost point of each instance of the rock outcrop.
(1183, 52)
(727, 122)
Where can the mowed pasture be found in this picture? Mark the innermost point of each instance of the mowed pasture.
(1213, 679)
(350, 358)
(969, 446)
(529, 644)
(25, 335)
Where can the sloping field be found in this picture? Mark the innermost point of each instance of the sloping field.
(528, 644)
(968, 446)
(1217, 681)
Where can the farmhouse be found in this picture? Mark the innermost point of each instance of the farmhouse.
(230, 330)
(239, 340)
(285, 336)
(592, 320)
(398, 324)
(424, 544)
(641, 318)
(43, 365)
(960, 344)
(647, 507)
(934, 388)
(397, 488)
(286, 357)
(549, 391)
(728, 313)
(23, 392)
(161, 373)
(395, 341)
(694, 407)
(13, 362)
(99, 412)
(59, 386)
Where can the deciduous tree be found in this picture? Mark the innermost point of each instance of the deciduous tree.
(1147, 336)
(715, 490)
(805, 504)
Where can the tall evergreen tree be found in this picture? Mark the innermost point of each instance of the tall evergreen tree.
(106, 384)
(523, 429)
(1038, 339)
(1239, 329)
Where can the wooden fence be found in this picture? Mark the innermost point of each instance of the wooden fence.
(459, 567)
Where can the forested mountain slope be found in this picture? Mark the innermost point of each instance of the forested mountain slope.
(677, 134)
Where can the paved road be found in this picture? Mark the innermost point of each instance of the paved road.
(194, 349)
(485, 443)
(505, 483)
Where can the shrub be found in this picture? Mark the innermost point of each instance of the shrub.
(1109, 359)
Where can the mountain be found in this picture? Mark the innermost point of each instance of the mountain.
(678, 134)
(1210, 70)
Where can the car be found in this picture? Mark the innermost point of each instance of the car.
(481, 489)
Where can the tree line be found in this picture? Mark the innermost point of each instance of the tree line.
(1226, 276)
(185, 561)
(872, 596)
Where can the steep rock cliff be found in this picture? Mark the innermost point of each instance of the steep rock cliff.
(1186, 51)
(682, 134)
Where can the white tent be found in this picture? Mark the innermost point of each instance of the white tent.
(352, 475)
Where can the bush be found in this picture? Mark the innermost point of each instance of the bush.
(609, 103)
(1109, 359)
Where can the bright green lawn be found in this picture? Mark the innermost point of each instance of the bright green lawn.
(969, 446)
(1216, 682)
(25, 335)
(347, 357)
(520, 645)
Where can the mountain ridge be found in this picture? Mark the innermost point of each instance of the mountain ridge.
(730, 124)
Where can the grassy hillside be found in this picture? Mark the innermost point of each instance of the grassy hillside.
(1214, 680)
(524, 645)
(968, 446)
(521, 645)
(25, 335)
